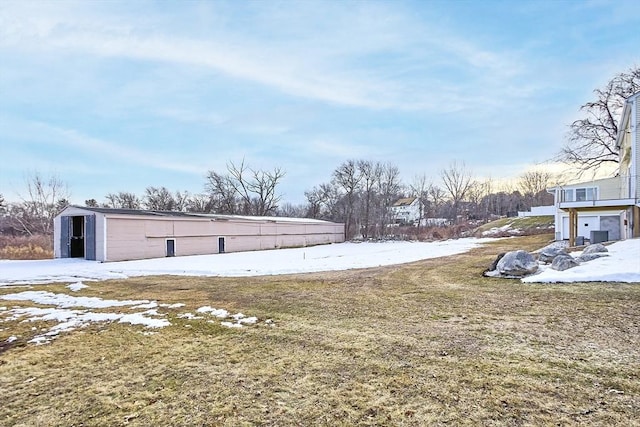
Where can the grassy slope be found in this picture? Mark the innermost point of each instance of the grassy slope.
(528, 225)
(425, 343)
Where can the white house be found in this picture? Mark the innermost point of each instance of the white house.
(406, 210)
(605, 209)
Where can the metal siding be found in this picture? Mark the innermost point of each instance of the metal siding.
(90, 237)
(64, 236)
(635, 152)
(143, 237)
(611, 223)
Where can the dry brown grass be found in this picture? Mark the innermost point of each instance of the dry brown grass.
(26, 247)
(428, 343)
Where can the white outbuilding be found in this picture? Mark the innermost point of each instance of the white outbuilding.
(106, 234)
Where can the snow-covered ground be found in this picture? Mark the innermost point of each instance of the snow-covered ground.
(621, 265)
(341, 256)
(71, 312)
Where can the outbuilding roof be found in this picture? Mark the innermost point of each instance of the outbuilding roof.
(173, 214)
(404, 202)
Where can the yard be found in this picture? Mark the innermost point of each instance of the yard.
(426, 343)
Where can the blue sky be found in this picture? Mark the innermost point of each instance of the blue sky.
(117, 96)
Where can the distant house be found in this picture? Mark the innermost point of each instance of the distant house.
(605, 209)
(406, 210)
(105, 234)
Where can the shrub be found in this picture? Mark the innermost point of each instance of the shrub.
(26, 247)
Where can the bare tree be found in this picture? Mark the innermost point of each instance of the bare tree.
(222, 193)
(290, 210)
(158, 199)
(314, 202)
(389, 188)
(533, 185)
(41, 203)
(180, 199)
(122, 200)
(457, 182)
(331, 202)
(200, 203)
(591, 140)
(347, 177)
(245, 190)
(419, 188)
(370, 174)
(3, 204)
(436, 199)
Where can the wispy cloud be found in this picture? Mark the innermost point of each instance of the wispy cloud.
(96, 148)
(324, 71)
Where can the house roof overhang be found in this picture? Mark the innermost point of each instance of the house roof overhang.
(624, 117)
(599, 204)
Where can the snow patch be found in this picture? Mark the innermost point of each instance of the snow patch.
(622, 265)
(340, 256)
(231, 324)
(70, 319)
(220, 313)
(65, 301)
(176, 305)
(75, 287)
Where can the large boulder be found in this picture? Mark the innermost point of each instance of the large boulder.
(564, 262)
(548, 253)
(495, 262)
(591, 257)
(595, 248)
(517, 264)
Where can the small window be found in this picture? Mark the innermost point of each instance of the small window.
(584, 194)
(171, 247)
(567, 195)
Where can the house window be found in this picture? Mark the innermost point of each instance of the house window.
(567, 195)
(583, 194)
(579, 194)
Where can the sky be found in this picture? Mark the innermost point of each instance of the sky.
(117, 96)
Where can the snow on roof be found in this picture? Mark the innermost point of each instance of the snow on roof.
(164, 214)
(404, 202)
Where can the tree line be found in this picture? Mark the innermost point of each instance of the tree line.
(359, 193)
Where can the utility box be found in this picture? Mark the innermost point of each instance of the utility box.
(579, 241)
(599, 236)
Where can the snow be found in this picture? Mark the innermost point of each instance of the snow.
(231, 324)
(73, 312)
(68, 320)
(75, 287)
(341, 256)
(622, 265)
(176, 305)
(65, 301)
(497, 231)
(221, 313)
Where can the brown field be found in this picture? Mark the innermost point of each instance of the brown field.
(26, 247)
(427, 343)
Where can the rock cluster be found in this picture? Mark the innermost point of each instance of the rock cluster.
(517, 264)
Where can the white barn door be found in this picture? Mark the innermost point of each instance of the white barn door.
(586, 224)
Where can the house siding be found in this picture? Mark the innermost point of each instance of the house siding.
(608, 189)
(636, 150)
